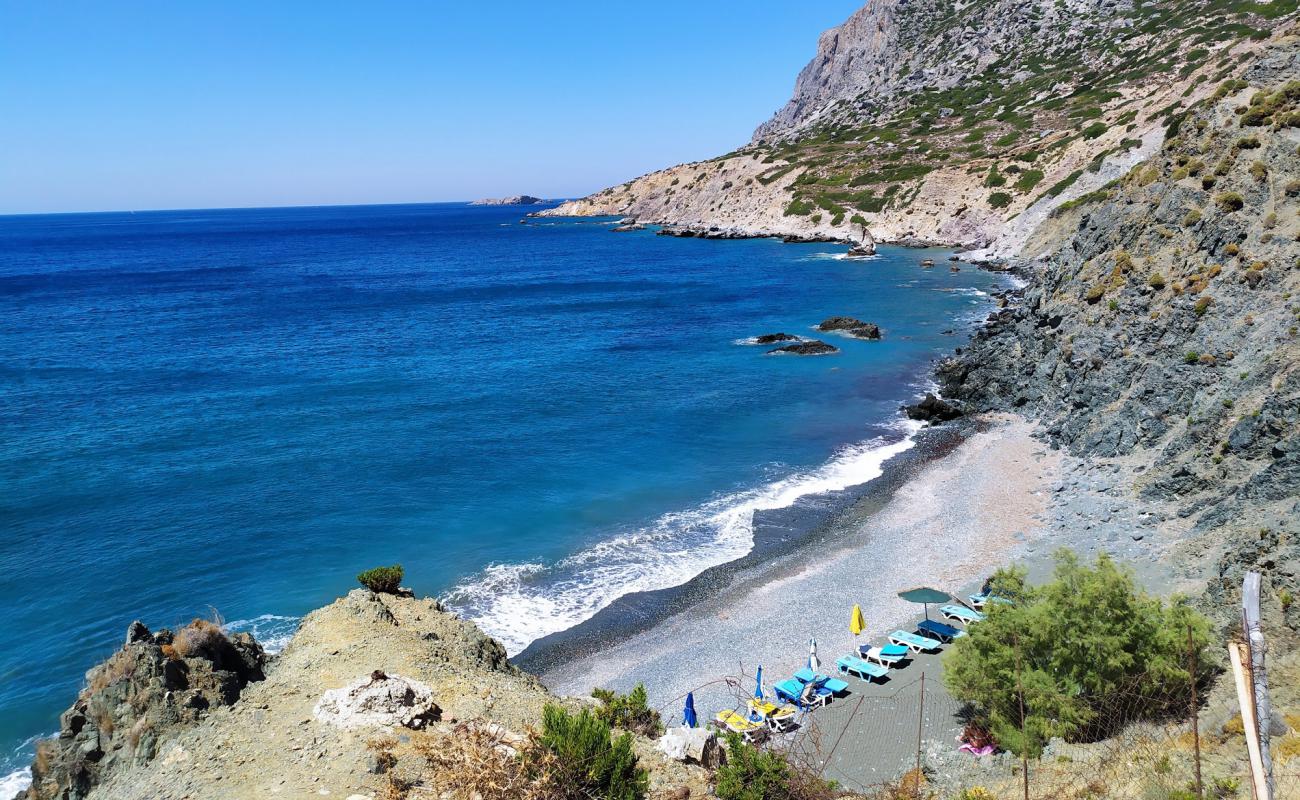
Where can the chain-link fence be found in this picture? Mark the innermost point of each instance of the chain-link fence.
(1152, 739)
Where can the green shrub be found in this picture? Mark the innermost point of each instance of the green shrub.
(798, 207)
(1029, 180)
(1078, 648)
(1094, 130)
(1229, 202)
(1191, 357)
(628, 711)
(382, 579)
(752, 773)
(1156, 281)
(1259, 170)
(994, 179)
(1292, 188)
(1193, 217)
(1203, 305)
(590, 763)
(999, 200)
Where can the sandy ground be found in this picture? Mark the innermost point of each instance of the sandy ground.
(947, 527)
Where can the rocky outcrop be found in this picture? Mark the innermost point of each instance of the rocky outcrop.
(932, 409)
(851, 327)
(812, 347)
(773, 338)
(378, 700)
(515, 200)
(155, 685)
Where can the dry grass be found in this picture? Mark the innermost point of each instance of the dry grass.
(479, 763)
(119, 667)
(200, 637)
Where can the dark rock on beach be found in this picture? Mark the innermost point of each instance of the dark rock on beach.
(810, 348)
(932, 409)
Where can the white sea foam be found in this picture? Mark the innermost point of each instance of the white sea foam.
(753, 340)
(839, 257)
(13, 784)
(520, 603)
(272, 631)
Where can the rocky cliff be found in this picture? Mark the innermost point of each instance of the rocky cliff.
(959, 123)
(1161, 332)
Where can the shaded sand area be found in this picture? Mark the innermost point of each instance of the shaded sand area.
(947, 526)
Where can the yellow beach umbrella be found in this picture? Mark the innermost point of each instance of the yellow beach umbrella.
(856, 623)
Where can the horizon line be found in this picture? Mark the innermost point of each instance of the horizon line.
(260, 208)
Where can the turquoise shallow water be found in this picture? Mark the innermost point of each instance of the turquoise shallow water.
(241, 409)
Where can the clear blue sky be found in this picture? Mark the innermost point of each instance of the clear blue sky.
(136, 105)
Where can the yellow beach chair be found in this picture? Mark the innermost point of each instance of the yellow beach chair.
(749, 730)
(778, 718)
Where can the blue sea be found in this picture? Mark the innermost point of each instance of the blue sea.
(235, 411)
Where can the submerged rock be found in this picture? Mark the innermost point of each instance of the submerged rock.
(812, 347)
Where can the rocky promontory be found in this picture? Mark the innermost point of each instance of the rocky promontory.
(514, 200)
(365, 686)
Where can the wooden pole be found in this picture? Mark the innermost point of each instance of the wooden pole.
(920, 721)
(1239, 656)
(1196, 712)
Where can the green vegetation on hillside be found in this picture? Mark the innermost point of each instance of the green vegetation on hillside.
(866, 155)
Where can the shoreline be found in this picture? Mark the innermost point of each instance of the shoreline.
(961, 487)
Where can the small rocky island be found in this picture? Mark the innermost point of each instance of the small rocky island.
(773, 338)
(851, 326)
(515, 200)
(812, 347)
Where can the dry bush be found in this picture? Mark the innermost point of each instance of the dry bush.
(485, 763)
(200, 637)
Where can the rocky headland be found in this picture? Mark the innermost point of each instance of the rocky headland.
(513, 200)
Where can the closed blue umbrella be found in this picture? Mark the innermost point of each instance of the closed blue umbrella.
(688, 715)
(758, 684)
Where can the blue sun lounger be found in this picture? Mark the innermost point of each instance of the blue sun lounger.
(941, 631)
(961, 614)
(835, 685)
(913, 642)
(852, 665)
(981, 600)
(792, 691)
(886, 655)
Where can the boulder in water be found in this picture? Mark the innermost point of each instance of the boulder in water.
(852, 326)
(812, 347)
(773, 338)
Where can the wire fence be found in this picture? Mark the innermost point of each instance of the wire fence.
(1153, 738)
